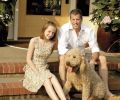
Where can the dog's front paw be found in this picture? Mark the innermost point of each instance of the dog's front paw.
(68, 97)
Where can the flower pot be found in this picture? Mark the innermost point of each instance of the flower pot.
(108, 41)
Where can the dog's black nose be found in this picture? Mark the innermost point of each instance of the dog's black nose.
(74, 56)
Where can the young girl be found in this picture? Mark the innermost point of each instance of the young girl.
(36, 69)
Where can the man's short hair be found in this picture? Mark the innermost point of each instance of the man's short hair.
(75, 12)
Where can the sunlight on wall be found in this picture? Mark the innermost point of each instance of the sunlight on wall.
(86, 20)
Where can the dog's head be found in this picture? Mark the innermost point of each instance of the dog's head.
(74, 59)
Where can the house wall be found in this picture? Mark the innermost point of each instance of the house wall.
(30, 25)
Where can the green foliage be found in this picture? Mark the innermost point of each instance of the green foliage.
(109, 8)
(7, 11)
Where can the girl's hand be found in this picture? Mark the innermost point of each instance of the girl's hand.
(35, 71)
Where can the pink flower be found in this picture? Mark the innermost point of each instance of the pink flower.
(106, 20)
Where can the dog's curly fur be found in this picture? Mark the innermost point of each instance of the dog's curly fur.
(83, 77)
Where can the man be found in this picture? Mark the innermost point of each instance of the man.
(75, 34)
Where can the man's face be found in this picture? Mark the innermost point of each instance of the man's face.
(75, 21)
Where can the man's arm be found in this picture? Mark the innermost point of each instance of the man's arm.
(94, 47)
(62, 42)
(93, 42)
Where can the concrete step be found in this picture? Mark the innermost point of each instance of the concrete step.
(13, 88)
(12, 85)
(114, 80)
(16, 67)
(26, 97)
(11, 74)
(11, 78)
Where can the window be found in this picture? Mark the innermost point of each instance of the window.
(84, 6)
(43, 7)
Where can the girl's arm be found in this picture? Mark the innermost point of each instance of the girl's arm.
(30, 52)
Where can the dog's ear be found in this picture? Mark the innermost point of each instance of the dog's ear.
(82, 65)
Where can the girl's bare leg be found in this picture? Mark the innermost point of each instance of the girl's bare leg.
(49, 89)
(62, 70)
(58, 88)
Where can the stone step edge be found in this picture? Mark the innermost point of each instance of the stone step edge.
(16, 88)
(16, 67)
(13, 88)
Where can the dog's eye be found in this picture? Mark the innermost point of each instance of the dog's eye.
(74, 56)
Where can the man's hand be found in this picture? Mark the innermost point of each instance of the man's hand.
(95, 58)
(92, 61)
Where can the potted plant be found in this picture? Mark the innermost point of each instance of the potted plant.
(106, 14)
(6, 16)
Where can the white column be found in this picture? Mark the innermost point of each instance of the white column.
(16, 20)
(10, 30)
(72, 4)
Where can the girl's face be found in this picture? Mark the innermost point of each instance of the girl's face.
(50, 32)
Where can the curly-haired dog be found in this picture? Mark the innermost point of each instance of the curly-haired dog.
(83, 77)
